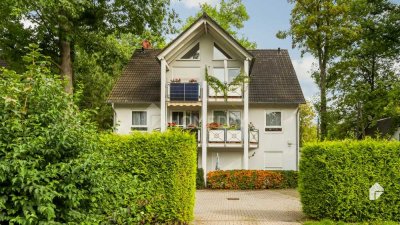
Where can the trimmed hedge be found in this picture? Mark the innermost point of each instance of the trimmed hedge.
(251, 179)
(200, 178)
(148, 178)
(335, 178)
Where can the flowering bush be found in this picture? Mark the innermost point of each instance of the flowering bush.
(244, 179)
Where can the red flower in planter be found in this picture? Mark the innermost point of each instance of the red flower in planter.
(172, 124)
(214, 125)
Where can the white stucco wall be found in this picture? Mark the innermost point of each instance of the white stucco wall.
(276, 151)
(123, 116)
(195, 69)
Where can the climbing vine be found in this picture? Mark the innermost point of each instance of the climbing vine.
(219, 86)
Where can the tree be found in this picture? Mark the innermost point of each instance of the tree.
(42, 138)
(322, 28)
(60, 26)
(230, 15)
(368, 86)
(308, 129)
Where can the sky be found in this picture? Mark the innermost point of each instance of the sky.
(267, 17)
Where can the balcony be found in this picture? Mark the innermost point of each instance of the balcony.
(183, 92)
(223, 137)
(234, 94)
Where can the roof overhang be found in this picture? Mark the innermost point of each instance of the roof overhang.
(203, 25)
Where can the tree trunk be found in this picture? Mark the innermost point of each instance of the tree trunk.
(66, 65)
(322, 111)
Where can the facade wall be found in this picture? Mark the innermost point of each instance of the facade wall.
(195, 69)
(123, 116)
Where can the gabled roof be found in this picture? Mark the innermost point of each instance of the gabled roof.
(140, 80)
(272, 79)
(208, 22)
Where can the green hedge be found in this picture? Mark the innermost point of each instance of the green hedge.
(251, 179)
(147, 178)
(335, 178)
(200, 178)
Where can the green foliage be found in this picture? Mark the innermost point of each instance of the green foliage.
(251, 179)
(147, 178)
(289, 178)
(230, 15)
(96, 33)
(330, 222)
(42, 137)
(219, 86)
(308, 129)
(96, 73)
(322, 29)
(367, 81)
(335, 178)
(200, 184)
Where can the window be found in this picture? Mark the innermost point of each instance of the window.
(273, 121)
(232, 74)
(233, 120)
(219, 73)
(139, 120)
(193, 53)
(192, 118)
(220, 54)
(220, 117)
(186, 118)
(177, 118)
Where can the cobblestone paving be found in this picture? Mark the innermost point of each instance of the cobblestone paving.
(269, 207)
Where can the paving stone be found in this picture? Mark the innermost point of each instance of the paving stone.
(269, 207)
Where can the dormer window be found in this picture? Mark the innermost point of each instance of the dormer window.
(220, 54)
(193, 53)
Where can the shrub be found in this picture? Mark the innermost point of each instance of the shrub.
(335, 178)
(243, 179)
(42, 137)
(200, 178)
(289, 178)
(147, 178)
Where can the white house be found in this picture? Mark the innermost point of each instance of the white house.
(254, 126)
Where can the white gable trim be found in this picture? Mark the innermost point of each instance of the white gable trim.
(197, 28)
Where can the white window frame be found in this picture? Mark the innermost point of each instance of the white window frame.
(188, 49)
(185, 114)
(227, 116)
(222, 51)
(140, 127)
(226, 72)
(273, 127)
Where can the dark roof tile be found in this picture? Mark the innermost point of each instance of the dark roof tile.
(140, 80)
(273, 79)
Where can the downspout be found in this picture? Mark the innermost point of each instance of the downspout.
(297, 138)
(114, 116)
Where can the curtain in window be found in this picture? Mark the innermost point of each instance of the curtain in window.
(220, 117)
(139, 118)
(234, 118)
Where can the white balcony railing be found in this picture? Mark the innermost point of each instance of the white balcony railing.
(227, 136)
(233, 92)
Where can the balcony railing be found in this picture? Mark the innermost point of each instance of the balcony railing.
(184, 92)
(233, 92)
(228, 136)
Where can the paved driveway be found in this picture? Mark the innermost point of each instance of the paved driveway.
(253, 207)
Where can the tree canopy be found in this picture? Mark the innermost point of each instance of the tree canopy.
(230, 15)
